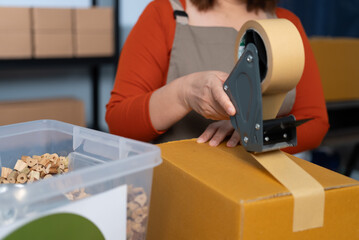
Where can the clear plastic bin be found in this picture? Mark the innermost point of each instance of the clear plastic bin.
(102, 165)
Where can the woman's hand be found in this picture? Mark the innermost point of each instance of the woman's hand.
(216, 132)
(203, 92)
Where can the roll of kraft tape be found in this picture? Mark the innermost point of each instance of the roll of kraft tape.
(281, 57)
(281, 54)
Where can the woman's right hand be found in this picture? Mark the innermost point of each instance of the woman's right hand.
(203, 92)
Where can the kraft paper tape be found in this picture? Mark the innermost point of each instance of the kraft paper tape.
(285, 63)
(307, 192)
(285, 59)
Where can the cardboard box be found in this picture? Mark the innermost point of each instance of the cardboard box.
(94, 19)
(15, 33)
(203, 192)
(94, 45)
(52, 28)
(15, 19)
(15, 45)
(52, 20)
(94, 32)
(51, 45)
(66, 109)
(339, 78)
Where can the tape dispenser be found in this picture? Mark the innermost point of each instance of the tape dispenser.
(244, 88)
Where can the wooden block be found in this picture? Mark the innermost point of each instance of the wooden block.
(42, 174)
(47, 176)
(141, 199)
(65, 161)
(33, 175)
(40, 168)
(20, 165)
(36, 157)
(31, 162)
(53, 170)
(44, 161)
(54, 156)
(62, 166)
(26, 171)
(5, 172)
(21, 178)
(45, 155)
(82, 194)
(23, 158)
(12, 177)
(47, 169)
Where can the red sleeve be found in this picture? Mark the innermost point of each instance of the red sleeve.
(142, 68)
(309, 101)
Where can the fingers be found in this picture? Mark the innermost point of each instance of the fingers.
(234, 140)
(208, 133)
(223, 100)
(222, 132)
(216, 133)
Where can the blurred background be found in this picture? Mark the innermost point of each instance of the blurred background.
(73, 82)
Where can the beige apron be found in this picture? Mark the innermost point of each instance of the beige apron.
(197, 49)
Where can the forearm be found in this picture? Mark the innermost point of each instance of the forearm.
(167, 105)
(309, 136)
(130, 117)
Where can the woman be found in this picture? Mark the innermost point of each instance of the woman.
(173, 65)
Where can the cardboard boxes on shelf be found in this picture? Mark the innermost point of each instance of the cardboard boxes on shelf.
(94, 31)
(56, 32)
(68, 110)
(52, 30)
(203, 192)
(15, 33)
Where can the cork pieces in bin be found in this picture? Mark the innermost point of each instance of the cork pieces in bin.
(137, 213)
(29, 169)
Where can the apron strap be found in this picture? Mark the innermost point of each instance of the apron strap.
(178, 12)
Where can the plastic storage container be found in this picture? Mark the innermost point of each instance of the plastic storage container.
(111, 170)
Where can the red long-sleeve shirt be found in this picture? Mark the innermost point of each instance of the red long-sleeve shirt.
(143, 67)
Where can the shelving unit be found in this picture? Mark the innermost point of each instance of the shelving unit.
(93, 63)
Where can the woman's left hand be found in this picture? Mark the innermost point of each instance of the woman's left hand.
(216, 132)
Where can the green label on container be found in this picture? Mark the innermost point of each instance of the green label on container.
(98, 216)
(58, 227)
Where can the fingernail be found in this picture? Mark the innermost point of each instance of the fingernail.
(213, 143)
(230, 144)
(200, 140)
(231, 111)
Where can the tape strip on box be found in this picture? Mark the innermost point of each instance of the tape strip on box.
(285, 63)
